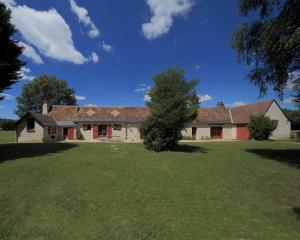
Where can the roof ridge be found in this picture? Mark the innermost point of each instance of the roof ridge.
(249, 104)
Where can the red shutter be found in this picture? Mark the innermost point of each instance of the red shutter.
(119, 127)
(108, 129)
(242, 132)
(71, 133)
(95, 131)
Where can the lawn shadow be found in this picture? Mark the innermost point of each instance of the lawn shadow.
(191, 149)
(289, 156)
(297, 211)
(14, 151)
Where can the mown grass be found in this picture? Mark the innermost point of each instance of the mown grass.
(7, 137)
(241, 190)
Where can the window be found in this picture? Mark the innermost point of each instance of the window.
(51, 130)
(30, 125)
(117, 127)
(87, 127)
(275, 122)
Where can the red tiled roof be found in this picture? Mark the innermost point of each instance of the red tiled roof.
(242, 114)
(63, 113)
(213, 115)
(205, 115)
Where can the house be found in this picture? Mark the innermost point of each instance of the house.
(123, 123)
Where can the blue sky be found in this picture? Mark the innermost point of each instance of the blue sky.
(108, 50)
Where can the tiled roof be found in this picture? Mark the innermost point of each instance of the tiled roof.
(44, 120)
(63, 113)
(212, 115)
(242, 114)
(138, 114)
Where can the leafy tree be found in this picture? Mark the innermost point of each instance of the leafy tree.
(294, 117)
(6, 124)
(173, 102)
(261, 127)
(41, 89)
(270, 45)
(296, 97)
(10, 65)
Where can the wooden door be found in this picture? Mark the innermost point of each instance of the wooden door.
(194, 133)
(71, 133)
(95, 131)
(242, 132)
(108, 131)
(216, 132)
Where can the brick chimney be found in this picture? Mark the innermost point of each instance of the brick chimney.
(220, 106)
(45, 108)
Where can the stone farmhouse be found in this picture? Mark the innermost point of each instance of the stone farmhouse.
(62, 123)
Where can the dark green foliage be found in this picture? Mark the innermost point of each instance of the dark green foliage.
(271, 44)
(10, 65)
(261, 127)
(173, 103)
(41, 89)
(6, 124)
(294, 117)
(79, 135)
(296, 97)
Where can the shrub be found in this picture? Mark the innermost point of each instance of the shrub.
(187, 138)
(261, 127)
(79, 135)
(6, 124)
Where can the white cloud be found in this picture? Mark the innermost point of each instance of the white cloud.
(94, 57)
(147, 98)
(7, 96)
(25, 74)
(197, 67)
(142, 88)
(204, 98)
(31, 53)
(163, 12)
(9, 2)
(83, 16)
(48, 32)
(236, 104)
(292, 77)
(107, 48)
(80, 98)
(90, 105)
(288, 101)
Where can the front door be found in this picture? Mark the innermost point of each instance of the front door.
(216, 132)
(194, 133)
(102, 131)
(65, 133)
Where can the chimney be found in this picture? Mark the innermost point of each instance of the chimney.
(45, 108)
(220, 106)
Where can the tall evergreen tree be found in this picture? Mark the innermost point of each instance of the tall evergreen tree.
(270, 45)
(44, 89)
(173, 102)
(10, 64)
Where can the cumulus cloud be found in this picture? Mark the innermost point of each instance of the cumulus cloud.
(236, 104)
(107, 48)
(147, 98)
(204, 98)
(80, 98)
(31, 53)
(288, 100)
(48, 32)
(292, 77)
(163, 14)
(7, 96)
(142, 88)
(94, 57)
(83, 17)
(25, 74)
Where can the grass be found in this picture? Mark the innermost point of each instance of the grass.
(7, 137)
(240, 190)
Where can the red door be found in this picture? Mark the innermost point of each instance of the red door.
(95, 131)
(216, 132)
(71, 133)
(242, 132)
(109, 131)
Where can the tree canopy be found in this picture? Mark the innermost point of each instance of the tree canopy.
(173, 102)
(10, 64)
(41, 89)
(270, 44)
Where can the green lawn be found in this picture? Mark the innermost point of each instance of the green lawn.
(7, 137)
(205, 191)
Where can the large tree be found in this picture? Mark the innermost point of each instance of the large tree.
(10, 64)
(173, 102)
(44, 89)
(270, 44)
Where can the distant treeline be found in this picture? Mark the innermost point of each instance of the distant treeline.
(6, 124)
